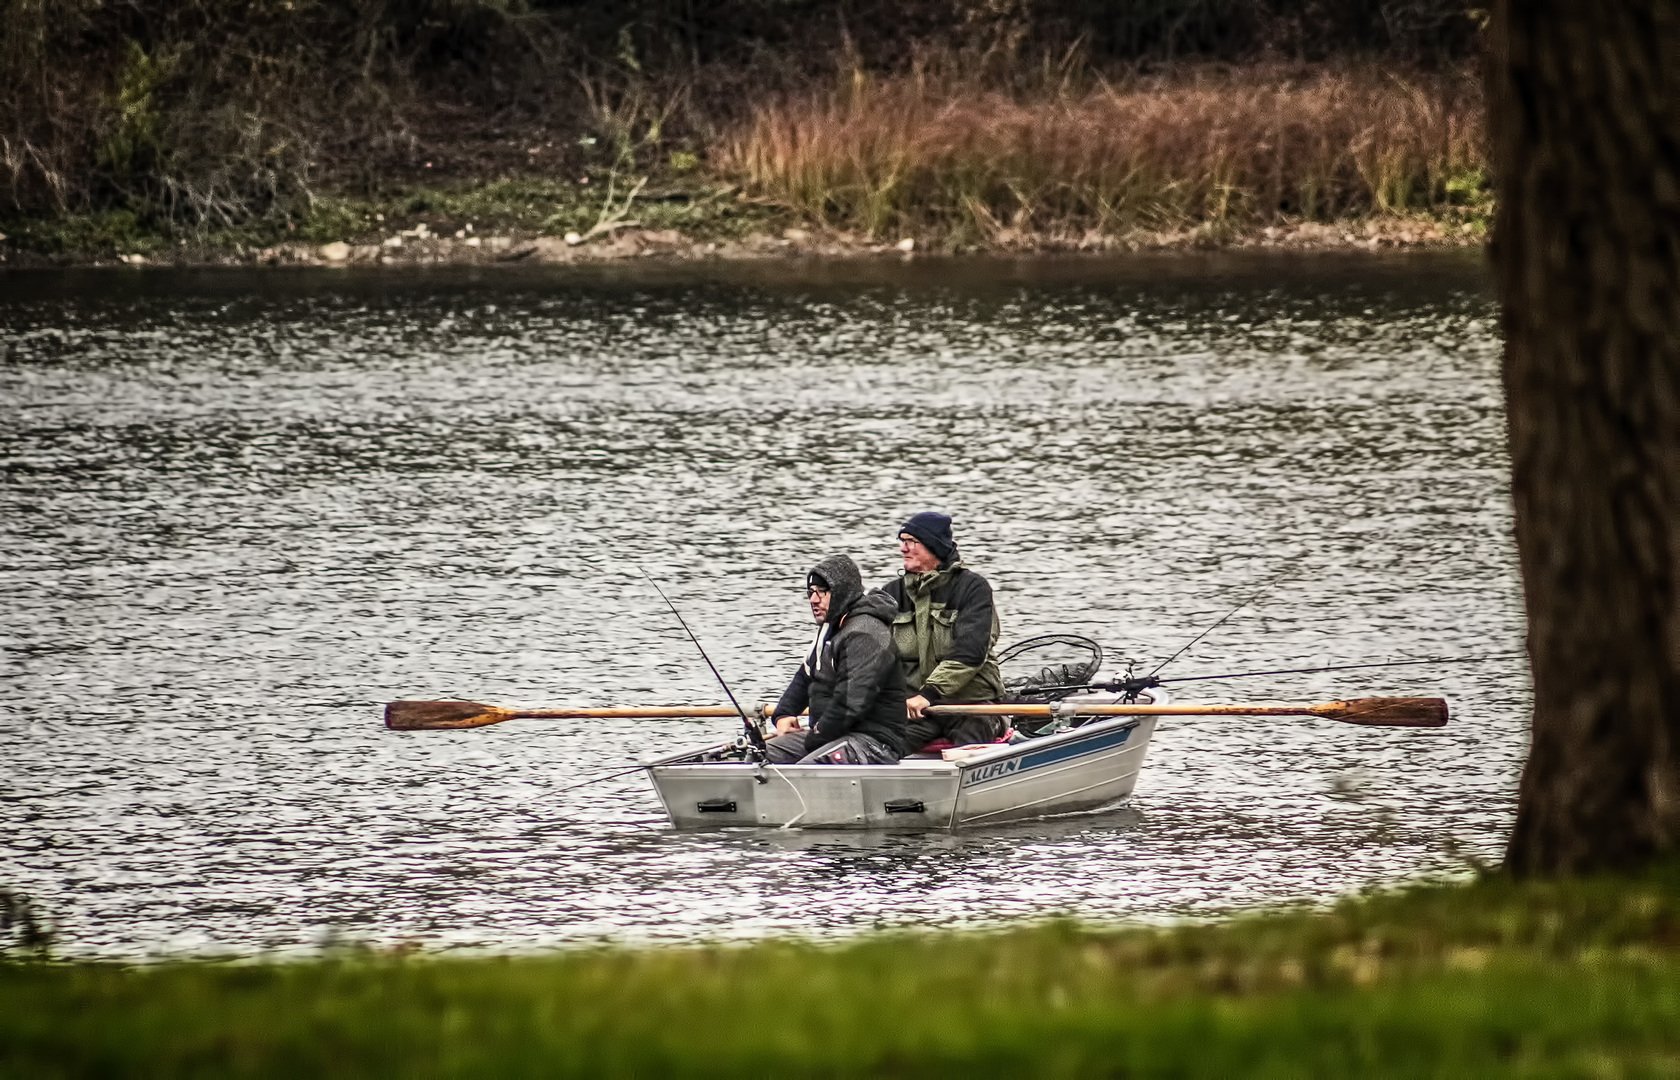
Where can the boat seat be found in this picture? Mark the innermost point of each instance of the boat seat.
(937, 748)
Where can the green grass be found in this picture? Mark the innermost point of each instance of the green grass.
(697, 208)
(532, 207)
(1535, 980)
(101, 232)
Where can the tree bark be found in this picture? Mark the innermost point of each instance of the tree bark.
(1585, 101)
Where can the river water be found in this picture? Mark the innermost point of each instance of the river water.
(241, 510)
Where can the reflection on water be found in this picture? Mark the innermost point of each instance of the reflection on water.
(242, 510)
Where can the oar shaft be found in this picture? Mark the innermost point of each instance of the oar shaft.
(652, 712)
(1120, 710)
(1372, 712)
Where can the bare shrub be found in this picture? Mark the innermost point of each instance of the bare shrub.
(192, 112)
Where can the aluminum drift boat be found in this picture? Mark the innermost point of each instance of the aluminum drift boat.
(1078, 768)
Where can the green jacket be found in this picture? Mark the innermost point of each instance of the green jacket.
(945, 634)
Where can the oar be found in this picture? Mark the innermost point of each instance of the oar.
(446, 715)
(1373, 711)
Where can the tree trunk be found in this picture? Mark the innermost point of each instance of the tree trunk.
(1585, 99)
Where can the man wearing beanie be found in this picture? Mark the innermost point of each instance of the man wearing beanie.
(850, 679)
(944, 634)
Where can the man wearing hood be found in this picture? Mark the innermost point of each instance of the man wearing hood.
(944, 633)
(850, 680)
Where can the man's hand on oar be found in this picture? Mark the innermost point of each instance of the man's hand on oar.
(449, 715)
(1373, 711)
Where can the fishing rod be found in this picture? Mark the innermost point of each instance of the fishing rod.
(595, 780)
(1255, 595)
(1144, 682)
(755, 737)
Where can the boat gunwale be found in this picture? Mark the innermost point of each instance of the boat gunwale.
(904, 767)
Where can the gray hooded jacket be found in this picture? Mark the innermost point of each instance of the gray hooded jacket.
(850, 680)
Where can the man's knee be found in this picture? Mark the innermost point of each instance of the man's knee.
(851, 750)
(785, 749)
(957, 730)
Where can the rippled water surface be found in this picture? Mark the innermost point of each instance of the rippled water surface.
(242, 510)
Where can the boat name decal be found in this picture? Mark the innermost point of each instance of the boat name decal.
(992, 771)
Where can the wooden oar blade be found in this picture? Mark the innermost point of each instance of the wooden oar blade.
(1388, 711)
(441, 715)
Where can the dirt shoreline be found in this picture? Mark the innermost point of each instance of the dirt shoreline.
(418, 246)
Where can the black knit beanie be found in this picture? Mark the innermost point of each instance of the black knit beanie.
(933, 529)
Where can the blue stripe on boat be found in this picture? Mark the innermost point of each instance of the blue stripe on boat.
(1033, 759)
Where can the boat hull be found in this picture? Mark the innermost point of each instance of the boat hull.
(1086, 768)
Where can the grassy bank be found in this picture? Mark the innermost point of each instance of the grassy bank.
(256, 130)
(941, 159)
(1567, 980)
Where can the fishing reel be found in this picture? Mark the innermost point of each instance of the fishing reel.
(741, 749)
(754, 752)
(1131, 684)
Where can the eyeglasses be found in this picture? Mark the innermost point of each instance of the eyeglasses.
(812, 590)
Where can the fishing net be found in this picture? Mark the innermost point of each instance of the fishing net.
(1048, 667)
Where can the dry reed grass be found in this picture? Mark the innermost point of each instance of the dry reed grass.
(1205, 148)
